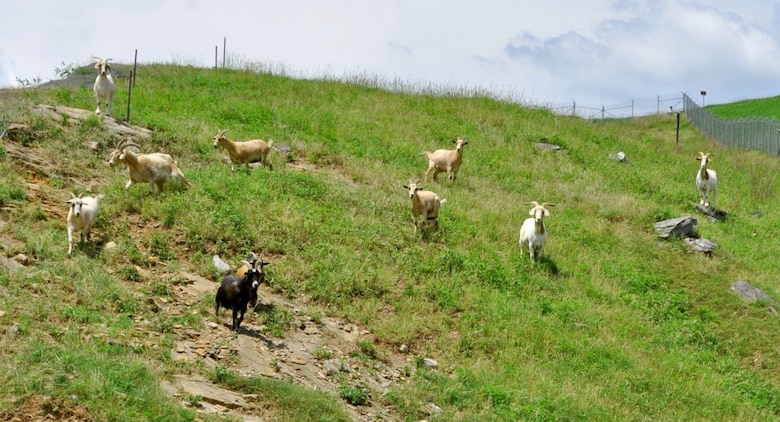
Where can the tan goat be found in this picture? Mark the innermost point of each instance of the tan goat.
(155, 168)
(245, 152)
(448, 160)
(425, 205)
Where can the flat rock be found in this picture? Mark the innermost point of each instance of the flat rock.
(751, 293)
(681, 226)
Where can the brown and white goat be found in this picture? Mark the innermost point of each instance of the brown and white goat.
(706, 181)
(244, 152)
(533, 233)
(425, 205)
(448, 160)
(155, 168)
(104, 87)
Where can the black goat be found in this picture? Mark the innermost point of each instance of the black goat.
(236, 293)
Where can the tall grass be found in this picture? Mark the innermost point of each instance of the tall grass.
(614, 324)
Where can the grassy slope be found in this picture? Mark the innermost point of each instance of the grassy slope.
(761, 107)
(614, 325)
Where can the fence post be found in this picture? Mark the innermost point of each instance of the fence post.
(135, 67)
(216, 51)
(129, 91)
(677, 141)
(224, 48)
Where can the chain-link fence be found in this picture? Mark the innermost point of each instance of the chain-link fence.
(749, 133)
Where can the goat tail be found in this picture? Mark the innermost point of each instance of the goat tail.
(216, 309)
(270, 143)
(442, 201)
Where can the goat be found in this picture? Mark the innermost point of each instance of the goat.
(236, 293)
(706, 181)
(445, 160)
(104, 87)
(81, 216)
(533, 234)
(244, 152)
(250, 263)
(425, 205)
(154, 168)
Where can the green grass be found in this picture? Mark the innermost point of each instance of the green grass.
(614, 324)
(762, 107)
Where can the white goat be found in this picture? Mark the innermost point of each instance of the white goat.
(448, 160)
(533, 234)
(425, 205)
(81, 217)
(245, 152)
(153, 168)
(104, 85)
(706, 181)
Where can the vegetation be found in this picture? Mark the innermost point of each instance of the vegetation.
(761, 107)
(613, 324)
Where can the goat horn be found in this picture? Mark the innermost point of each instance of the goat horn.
(72, 195)
(132, 144)
(547, 204)
(246, 263)
(534, 203)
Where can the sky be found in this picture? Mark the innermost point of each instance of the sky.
(554, 53)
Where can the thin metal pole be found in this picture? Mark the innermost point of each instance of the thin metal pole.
(216, 49)
(135, 67)
(224, 48)
(129, 94)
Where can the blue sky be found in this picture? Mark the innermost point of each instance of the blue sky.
(557, 52)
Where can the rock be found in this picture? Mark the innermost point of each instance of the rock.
(714, 214)
(619, 156)
(284, 149)
(681, 226)
(404, 348)
(547, 147)
(433, 409)
(22, 259)
(14, 329)
(751, 293)
(700, 245)
(221, 265)
(334, 366)
(430, 363)
(10, 264)
(110, 245)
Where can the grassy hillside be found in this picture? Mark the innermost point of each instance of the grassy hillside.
(614, 324)
(761, 107)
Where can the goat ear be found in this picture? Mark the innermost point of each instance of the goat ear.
(531, 213)
(546, 213)
(406, 187)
